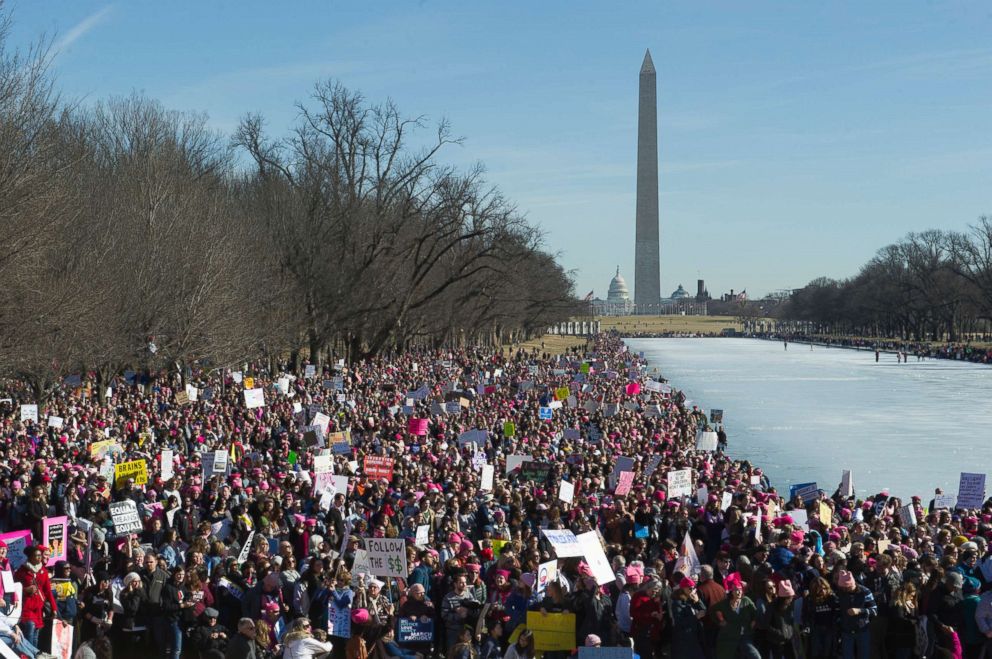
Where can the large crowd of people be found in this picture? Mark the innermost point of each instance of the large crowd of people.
(469, 504)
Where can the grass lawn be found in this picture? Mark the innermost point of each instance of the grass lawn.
(659, 324)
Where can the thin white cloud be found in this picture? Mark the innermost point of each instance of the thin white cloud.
(79, 30)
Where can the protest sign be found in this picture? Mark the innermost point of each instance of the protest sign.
(805, 491)
(55, 532)
(182, 398)
(98, 450)
(29, 413)
(377, 467)
(846, 483)
(825, 514)
(944, 501)
(680, 483)
(561, 393)
(565, 544)
(309, 371)
(633, 389)
(245, 548)
(339, 442)
(414, 631)
(652, 465)
(125, 517)
(545, 413)
(254, 398)
(249, 383)
(907, 516)
(136, 469)
(688, 563)
(417, 427)
(514, 462)
(322, 421)
(475, 436)
(509, 429)
(220, 461)
(488, 473)
(706, 440)
(423, 536)
(566, 491)
(553, 632)
(61, 646)
(716, 416)
(625, 483)
(387, 557)
(55, 422)
(800, 518)
(166, 468)
(592, 550)
(546, 573)
(17, 542)
(971, 490)
(535, 471)
(623, 463)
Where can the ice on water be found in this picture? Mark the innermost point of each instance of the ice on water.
(805, 415)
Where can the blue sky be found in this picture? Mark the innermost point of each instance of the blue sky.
(796, 138)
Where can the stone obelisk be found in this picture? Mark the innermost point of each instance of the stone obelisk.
(647, 259)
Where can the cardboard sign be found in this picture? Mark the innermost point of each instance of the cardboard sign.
(846, 483)
(17, 542)
(553, 632)
(387, 557)
(566, 491)
(55, 422)
(417, 427)
(706, 440)
(625, 483)
(564, 542)
(971, 490)
(55, 533)
(546, 573)
(167, 464)
(488, 473)
(680, 483)
(125, 517)
(340, 442)
(423, 536)
(29, 413)
(61, 639)
(592, 550)
(254, 398)
(136, 469)
(377, 467)
(944, 501)
(515, 461)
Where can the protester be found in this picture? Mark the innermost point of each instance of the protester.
(269, 524)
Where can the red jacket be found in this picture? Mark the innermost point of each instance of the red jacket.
(34, 605)
(643, 621)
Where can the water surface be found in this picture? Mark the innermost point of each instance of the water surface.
(806, 415)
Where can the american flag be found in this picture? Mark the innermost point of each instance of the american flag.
(588, 297)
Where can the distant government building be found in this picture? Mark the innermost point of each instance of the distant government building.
(647, 258)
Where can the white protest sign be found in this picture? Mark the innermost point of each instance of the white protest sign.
(514, 461)
(423, 535)
(254, 398)
(322, 420)
(726, 500)
(566, 491)
(592, 549)
(323, 464)
(220, 461)
(340, 483)
(944, 501)
(971, 490)
(237, 376)
(361, 568)
(125, 517)
(488, 472)
(907, 516)
(192, 393)
(679, 483)
(29, 413)
(623, 463)
(799, 517)
(564, 542)
(387, 557)
(706, 440)
(282, 384)
(55, 422)
(166, 466)
(846, 483)
(687, 562)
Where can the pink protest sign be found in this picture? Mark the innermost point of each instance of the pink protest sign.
(417, 427)
(55, 533)
(625, 483)
(17, 542)
(633, 388)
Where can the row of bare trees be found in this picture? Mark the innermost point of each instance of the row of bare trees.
(136, 237)
(935, 285)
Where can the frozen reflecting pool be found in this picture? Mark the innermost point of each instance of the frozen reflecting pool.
(806, 415)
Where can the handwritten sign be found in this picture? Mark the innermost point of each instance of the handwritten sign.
(254, 398)
(625, 483)
(387, 557)
(680, 483)
(553, 632)
(971, 490)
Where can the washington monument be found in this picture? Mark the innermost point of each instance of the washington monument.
(647, 261)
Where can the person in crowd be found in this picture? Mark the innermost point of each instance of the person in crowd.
(242, 644)
(37, 593)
